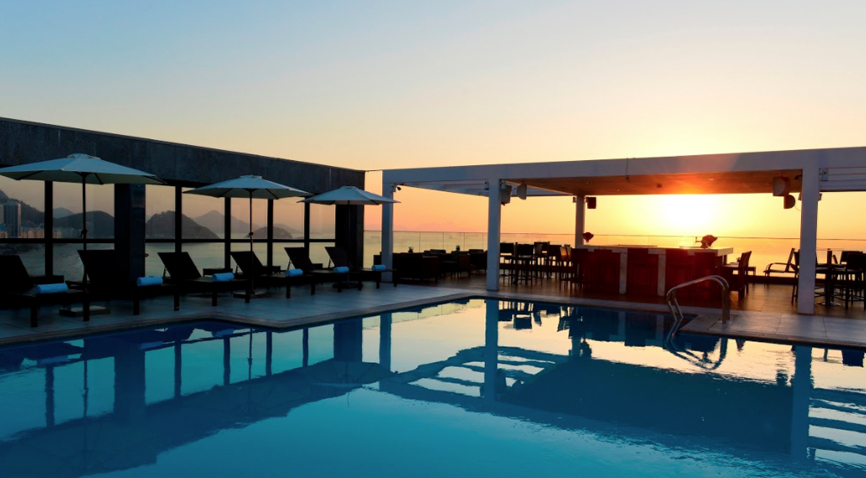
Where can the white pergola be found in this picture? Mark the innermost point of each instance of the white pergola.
(809, 172)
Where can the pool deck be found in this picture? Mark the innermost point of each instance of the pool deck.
(273, 311)
(328, 305)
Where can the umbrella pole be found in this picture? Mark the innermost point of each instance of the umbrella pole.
(84, 224)
(252, 274)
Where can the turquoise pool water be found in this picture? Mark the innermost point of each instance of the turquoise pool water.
(477, 388)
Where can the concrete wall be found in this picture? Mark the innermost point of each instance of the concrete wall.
(24, 142)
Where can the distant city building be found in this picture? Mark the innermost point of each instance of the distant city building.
(12, 218)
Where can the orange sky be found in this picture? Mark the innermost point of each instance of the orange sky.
(372, 85)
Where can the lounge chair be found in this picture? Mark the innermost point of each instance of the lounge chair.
(341, 259)
(300, 260)
(252, 268)
(17, 286)
(104, 282)
(184, 273)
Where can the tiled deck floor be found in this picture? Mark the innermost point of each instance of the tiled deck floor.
(765, 314)
(273, 311)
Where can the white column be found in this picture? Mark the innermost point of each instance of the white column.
(579, 219)
(808, 239)
(387, 230)
(494, 223)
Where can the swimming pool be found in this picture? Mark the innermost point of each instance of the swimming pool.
(471, 388)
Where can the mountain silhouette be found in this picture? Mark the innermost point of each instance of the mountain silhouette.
(61, 212)
(161, 226)
(102, 223)
(214, 220)
(279, 233)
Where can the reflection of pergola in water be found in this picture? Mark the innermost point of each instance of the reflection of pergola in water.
(808, 172)
(619, 398)
(567, 392)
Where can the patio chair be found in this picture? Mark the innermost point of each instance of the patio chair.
(299, 258)
(852, 282)
(782, 267)
(183, 272)
(341, 259)
(19, 287)
(456, 263)
(252, 268)
(104, 282)
(737, 274)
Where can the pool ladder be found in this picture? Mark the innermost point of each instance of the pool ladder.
(671, 298)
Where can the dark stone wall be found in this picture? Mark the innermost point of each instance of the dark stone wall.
(24, 142)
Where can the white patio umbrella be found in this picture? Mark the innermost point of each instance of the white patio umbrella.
(252, 187)
(350, 196)
(84, 169)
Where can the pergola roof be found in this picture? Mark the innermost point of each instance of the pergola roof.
(843, 169)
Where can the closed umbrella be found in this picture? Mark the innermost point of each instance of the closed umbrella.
(252, 187)
(84, 169)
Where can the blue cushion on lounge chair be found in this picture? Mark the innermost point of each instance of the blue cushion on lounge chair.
(148, 281)
(341, 270)
(378, 267)
(223, 277)
(294, 272)
(43, 289)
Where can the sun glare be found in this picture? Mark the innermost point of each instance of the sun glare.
(688, 214)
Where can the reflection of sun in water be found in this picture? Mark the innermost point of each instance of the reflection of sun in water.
(688, 215)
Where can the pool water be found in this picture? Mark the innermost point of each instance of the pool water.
(472, 388)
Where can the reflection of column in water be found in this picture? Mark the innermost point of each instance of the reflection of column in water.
(305, 345)
(348, 341)
(802, 384)
(178, 366)
(269, 352)
(491, 348)
(49, 396)
(227, 360)
(385, 340)
(129, 385)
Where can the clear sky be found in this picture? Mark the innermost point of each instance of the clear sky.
(373, 85)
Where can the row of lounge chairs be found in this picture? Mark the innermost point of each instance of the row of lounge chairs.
(181, 276)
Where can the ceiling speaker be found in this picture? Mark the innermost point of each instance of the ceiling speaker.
(590, 202)
(781, 186)
(521, 191)
(505, 194)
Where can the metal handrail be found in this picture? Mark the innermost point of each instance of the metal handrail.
(671, 298)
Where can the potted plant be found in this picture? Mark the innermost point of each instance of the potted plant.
(708, 241)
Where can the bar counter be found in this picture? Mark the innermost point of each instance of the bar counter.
(647, 269)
